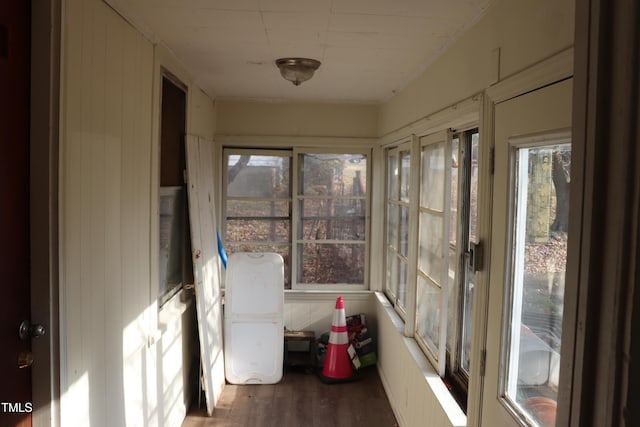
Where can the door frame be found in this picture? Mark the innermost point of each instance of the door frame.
(44, 136)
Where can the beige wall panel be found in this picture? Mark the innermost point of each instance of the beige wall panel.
(524, 32)
(201, 114)
(413, 387)
(108, 373)
(295, 119)
(304, 311)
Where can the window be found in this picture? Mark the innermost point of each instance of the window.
(175, 243)
(258, 203)
(463, 256)
(309, 206)
(433, 255)
(444, 204)
(537, 269)
(397, 238)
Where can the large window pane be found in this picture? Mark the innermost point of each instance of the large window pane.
(333, 175)
(258, 208)
(429, 299)
(392, 225)
(258, 204)
(453, 211)
(405, 164)
(465, 351)
(331, 263)
(392, 177)
(332, 219)
(402, 283)
(431, 250)
(257, 176)
(258, 230)
(539, 245)
(433, 177)
(404, 230)
(473, 190)
(392, 272)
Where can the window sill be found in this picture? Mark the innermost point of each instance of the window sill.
(433, 385)
(325, 295)
(174, 307)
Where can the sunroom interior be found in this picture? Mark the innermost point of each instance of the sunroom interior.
(431, 194)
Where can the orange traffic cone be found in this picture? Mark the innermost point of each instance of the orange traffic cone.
(337, 364)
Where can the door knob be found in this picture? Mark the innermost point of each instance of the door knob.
(27, 330)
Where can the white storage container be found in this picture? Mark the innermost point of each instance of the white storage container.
(253, 318)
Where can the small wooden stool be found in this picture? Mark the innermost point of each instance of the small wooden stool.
(300, 358)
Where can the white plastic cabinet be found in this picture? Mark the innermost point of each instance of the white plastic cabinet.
(253, 318)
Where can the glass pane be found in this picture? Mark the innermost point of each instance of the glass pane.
(404, 230)
(333, 175)
(331, 263)
(431, 248)
(333, 229)
(402, 283)
(473, 190)
(539, 242)
(405, 169)
(258, 230)
(455, 161)
(257, 176)
(428, 313)
(392, 177)
(392, 272)
(433, 177)
(251, 208)
(453, 300)
(331, 219)
(280, 249)
(334, 208)
(392, 225)
(465, 351)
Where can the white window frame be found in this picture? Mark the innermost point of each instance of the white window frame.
(226, 152)
(514, 265)
(391, 284)
(408, 313)
(296, 218)
(439, 359)
(294, 200)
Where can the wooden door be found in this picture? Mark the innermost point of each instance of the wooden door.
(528, 256)
(15, 383)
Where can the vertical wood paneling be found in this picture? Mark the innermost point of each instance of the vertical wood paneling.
(414, 389)
(105, 188)
(113, 157)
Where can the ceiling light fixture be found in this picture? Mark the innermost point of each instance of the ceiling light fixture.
(297, 70)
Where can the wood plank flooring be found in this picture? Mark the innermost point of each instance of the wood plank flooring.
(301, 400)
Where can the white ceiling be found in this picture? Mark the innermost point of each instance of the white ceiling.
(369, 49)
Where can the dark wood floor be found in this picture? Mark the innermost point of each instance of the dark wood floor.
(301, 400)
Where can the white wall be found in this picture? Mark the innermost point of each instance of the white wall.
(280, 118)
(123, 362)
(511, 36)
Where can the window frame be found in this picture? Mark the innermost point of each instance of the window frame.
(513, 287)
(391, 289)
(229, 151)
(464, 273)
(297, 197)
(295, 219)
(449, 369)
